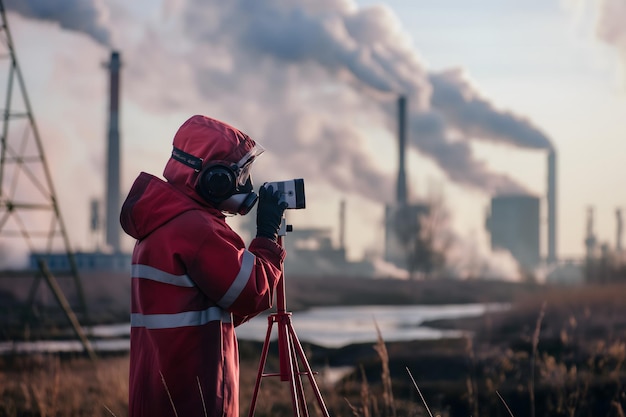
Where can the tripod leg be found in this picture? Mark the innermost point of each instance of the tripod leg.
(286, 361)
(266, 346)
(309, 372)
(299, 387)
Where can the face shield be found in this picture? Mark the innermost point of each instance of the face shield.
(244, 165)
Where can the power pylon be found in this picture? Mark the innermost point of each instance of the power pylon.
(30, 219)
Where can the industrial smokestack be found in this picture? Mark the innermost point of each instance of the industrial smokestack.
(590, 239)
(401, 192)
(619, 230)
(552, 226)
(342, 224)
(113, 156)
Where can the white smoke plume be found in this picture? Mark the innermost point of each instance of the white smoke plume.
(88, 17)
(310, 80)
(611, 27)
(611, 23)
(367, 50)
(291, 59)
(477, 118)
(605, 18)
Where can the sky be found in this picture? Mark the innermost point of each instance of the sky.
(492, 85)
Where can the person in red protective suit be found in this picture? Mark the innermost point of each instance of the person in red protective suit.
(193, 280)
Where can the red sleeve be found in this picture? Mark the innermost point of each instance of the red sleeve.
(239, 280)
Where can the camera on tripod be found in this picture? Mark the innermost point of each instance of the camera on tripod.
(292, 191)
(292, 358)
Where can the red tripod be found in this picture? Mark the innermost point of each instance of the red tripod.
(289, 351)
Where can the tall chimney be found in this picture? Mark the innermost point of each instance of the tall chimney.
(590, 238)
(401, 192)
(552, 193)
(342, 224)
(619, 230)
(113, 156)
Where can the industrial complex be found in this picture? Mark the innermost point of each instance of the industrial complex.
(514, 223)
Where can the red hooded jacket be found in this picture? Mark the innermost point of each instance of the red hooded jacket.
(193, 281)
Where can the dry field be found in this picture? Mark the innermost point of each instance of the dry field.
(558, 352)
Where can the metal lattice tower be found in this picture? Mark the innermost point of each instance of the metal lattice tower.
(30, 219)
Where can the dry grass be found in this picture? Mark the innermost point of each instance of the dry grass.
(47, 386)
(562, 354)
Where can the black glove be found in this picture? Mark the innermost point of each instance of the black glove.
(269, 212)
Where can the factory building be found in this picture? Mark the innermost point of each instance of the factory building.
(513, 224)
(91, 261)
(604, 262)
(402, 223)
(312, 253)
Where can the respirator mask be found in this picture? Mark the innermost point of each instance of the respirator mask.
(226, 185)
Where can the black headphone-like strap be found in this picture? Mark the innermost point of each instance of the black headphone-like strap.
(187, 159)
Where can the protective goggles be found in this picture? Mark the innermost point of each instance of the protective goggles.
(241, 169)
(245, 164)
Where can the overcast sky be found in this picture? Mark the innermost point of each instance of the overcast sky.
(491, 84)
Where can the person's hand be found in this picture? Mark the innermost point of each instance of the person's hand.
(269, 212)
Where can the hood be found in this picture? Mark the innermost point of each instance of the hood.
(209, 140)
(151, 203)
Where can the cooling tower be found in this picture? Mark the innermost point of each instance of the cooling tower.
(113, 157)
